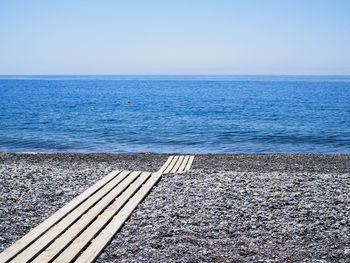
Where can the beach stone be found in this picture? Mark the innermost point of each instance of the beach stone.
(228, 208)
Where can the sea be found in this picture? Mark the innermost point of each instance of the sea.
(175, 114)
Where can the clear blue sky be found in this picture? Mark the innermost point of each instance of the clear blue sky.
(175, 37)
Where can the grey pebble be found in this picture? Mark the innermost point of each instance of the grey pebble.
(228, 208)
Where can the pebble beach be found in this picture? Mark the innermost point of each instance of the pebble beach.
(227, 208)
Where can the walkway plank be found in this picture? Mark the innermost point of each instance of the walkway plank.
(189, 164)
(166, 164)
(40, 244)
(171, 165)
(183, 165)
(103, 239)
(39, 230)
(177, 165)
(78, 244)
(61, 242)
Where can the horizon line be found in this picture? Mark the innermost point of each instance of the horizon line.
(162, 74)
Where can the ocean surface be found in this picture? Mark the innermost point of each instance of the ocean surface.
(175, 114)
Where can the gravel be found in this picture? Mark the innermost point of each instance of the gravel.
(34, 186)
(228, 208)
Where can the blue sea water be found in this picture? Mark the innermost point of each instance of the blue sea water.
(168, 114)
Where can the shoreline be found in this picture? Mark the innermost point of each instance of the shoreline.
(243, 207)
(226, 161)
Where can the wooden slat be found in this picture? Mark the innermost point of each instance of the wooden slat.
(101, 241)
(183, 164)
(36, 232)
(60, 243)
(166, 164)
(40, 244)
(81, 241)
(171, 165)
(177, 165)
(190, 161)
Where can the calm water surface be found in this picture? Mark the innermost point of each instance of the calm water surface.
(192, 114)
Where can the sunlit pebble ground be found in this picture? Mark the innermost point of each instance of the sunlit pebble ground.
(33, 186)
(270, 207)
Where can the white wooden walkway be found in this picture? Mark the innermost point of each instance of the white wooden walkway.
(80, 230)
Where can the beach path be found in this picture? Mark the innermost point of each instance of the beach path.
(81, 229)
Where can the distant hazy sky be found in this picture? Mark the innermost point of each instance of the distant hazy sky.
(175, 37)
